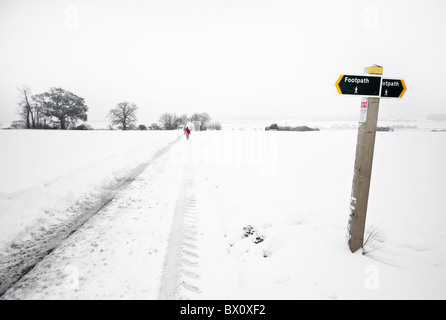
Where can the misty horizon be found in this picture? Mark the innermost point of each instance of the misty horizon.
(231, 59)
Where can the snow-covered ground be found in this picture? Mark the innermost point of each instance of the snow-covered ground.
(46, 172)
(293, 193)
(119, 252)
(52, 181)
(265, 215)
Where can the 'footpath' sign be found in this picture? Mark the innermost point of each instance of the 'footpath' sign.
(392, 88)
(359, 85)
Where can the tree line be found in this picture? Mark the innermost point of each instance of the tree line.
(123, 117)
(61, 109)
(55, 109)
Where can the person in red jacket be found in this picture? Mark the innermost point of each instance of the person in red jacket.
(187, 132)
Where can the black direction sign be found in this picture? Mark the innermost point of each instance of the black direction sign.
(359, 85)
(393, 88)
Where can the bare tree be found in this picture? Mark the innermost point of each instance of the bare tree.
(182, 120)
(41, 115)
(155, 126)
(204, 118)
(123, 115)
(168, 121)
(25, 109)
(215, 125)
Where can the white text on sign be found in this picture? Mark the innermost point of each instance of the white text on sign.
(391, 83)
(357, 80)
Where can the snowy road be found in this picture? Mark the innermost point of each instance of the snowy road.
(255, 215)
(119, 252)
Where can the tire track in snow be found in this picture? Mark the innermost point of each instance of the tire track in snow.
(27, 254)
(180, 275)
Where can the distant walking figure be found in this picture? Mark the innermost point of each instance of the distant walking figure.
(187, 132)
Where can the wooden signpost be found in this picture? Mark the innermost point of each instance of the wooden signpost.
(373, 87)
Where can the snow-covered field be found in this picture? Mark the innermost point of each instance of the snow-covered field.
(46, 172)
(51, 182)
(295, 197)
(396, 124)
(265, 214)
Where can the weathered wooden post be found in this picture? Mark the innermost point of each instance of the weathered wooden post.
(363, 170)
(373, 88)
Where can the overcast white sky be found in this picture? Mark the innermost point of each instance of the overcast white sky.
(230, 58)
